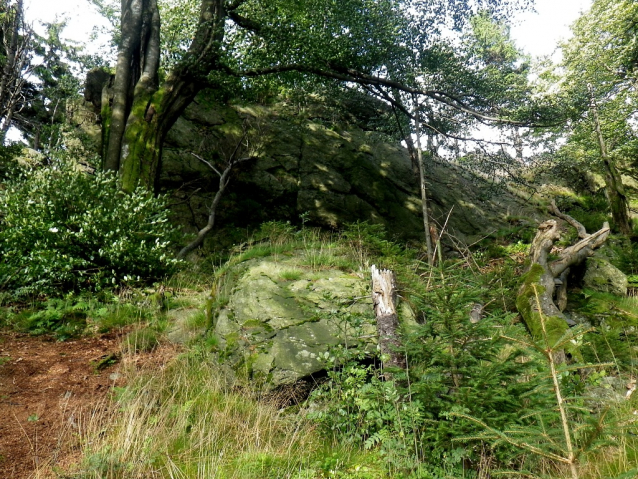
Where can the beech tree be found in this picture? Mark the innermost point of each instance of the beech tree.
(601, 74)
(384, 46)
(16, 42)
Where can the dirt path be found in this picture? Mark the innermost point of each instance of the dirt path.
(44, 385)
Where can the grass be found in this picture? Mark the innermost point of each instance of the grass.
(290, 274)
(144, 339)
(193, 421)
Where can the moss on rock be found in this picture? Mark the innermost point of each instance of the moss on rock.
(280, 330)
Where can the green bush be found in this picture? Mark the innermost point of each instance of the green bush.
(64, 230)
(456, 366)
(8, 162)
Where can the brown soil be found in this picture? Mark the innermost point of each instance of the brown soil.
(46, 389)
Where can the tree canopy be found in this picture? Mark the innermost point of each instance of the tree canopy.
(387, 48)
(599, 81)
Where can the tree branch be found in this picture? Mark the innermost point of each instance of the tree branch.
(553, 209)
(244, 22)
(354, 76)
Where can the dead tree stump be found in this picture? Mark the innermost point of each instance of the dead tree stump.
(384, 302)
(544, 288)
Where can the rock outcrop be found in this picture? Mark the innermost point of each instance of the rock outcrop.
(330, 174)
(601, 275)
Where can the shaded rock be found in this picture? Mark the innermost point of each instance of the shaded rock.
(281, 320)
(333, 175)
(601, 275)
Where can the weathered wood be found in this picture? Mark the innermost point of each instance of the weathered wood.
(384, 302)
(544, 288)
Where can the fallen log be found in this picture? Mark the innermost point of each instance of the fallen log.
(544, 288)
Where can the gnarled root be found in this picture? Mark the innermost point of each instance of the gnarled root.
(544, 288)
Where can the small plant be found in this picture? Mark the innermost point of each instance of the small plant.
(291, 274)
(140, 340)
(564, 433)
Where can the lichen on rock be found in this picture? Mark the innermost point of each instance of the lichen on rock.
(281, 320)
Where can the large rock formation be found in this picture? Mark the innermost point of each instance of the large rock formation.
(330, 174)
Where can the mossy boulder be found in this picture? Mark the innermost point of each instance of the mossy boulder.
(281, 320)
(601, 275)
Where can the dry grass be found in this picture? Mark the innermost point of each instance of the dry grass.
(191, 421)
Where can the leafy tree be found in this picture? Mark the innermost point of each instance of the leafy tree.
(385, 47)
(57, 88)
(16, 41)
(600, 79)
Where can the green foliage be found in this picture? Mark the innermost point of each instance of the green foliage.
(140, 340)
(72, 316)
(64, 230)
(565, 432)
(626, 259)
(455, 365)
(614, 319)
(590, 210)
(8, 164)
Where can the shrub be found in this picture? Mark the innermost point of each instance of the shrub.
(64, 230)
(8, 161)
(456, 366)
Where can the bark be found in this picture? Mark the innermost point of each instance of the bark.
(613, 182)
(544, 288)
(224, 178)
(384, 297)
(424, 192)
(16, 40)
(141, 112)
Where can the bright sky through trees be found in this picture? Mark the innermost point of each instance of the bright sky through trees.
(539, 33)
(536, 33)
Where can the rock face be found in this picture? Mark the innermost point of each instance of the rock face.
(331, 175)
(601, 275)
(281, 321)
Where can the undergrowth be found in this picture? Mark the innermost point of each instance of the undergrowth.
(194, 420)
(465, 376)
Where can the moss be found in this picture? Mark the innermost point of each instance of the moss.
(142, 149)
(106, 114)
(526, 294)
(555, 326)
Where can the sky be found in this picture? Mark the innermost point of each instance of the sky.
(536, 33)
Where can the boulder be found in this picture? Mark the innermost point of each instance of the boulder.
(281, 320)
(601, 275)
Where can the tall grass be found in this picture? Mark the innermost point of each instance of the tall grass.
(191, 420)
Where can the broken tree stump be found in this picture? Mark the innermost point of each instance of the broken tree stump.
(384, 302)
(544, 288)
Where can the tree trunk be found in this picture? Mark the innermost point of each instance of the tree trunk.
(544, 287)
(16, 38)
(384, 297)
(424, 192)
(142, 113)
(613, 181)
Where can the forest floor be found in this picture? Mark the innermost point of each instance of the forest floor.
(50, 391)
